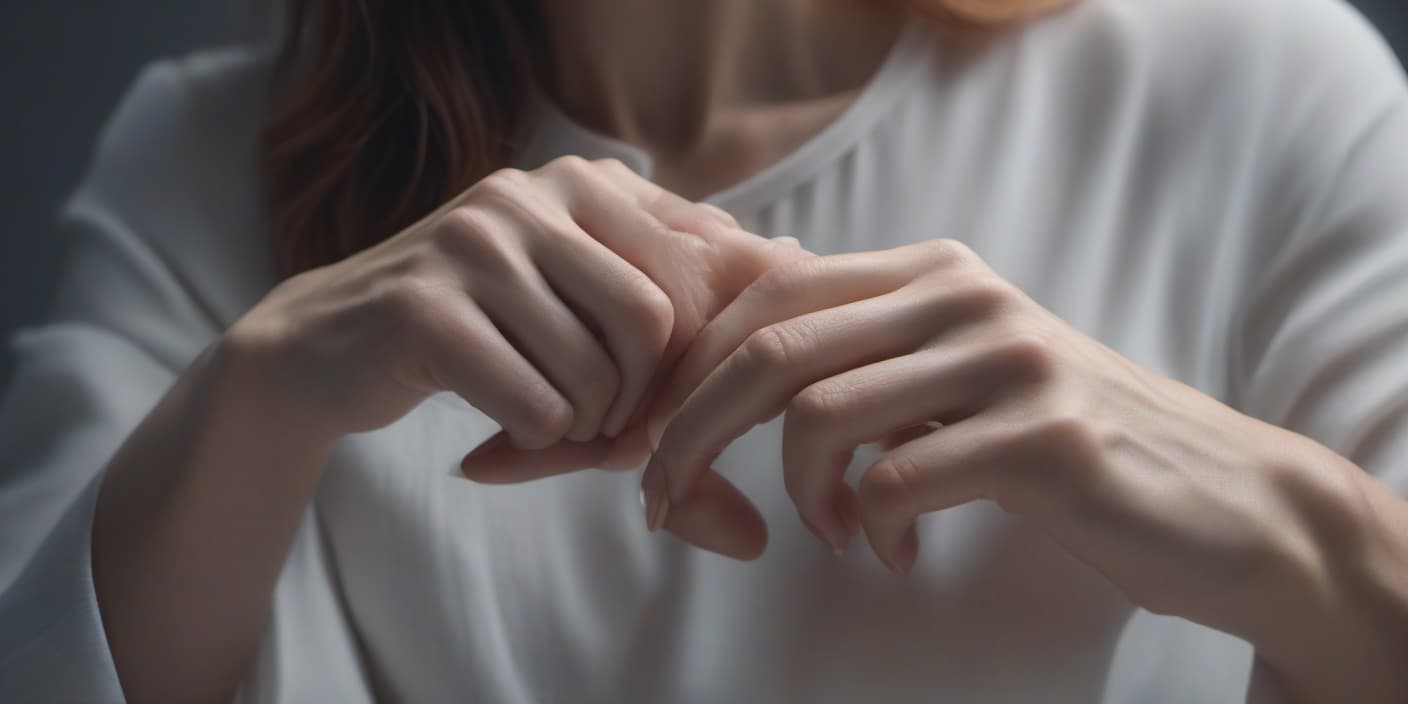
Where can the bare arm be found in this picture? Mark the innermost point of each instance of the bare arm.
(195, 517)
(546, 299)
(1345, 634)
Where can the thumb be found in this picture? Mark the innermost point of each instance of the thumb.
(497, 461)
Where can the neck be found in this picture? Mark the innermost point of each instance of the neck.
(660, 73)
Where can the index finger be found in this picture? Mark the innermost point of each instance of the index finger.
(743, 255)
(785, 293)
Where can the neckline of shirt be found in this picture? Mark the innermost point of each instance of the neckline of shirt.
(555, 133)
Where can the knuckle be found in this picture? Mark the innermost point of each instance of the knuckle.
(789, 278)
(723, 216)
(692, 247)
(653, 311)
(982, 294)
(503, 185)
(1026, 355)
(775, 347)
(948, 252)
(472, 236)
(555, 231)
(888, 484)
(409, 296)
(468, 229)
(692, 223)
(544, 419)
(571, 166)
(612, 165)
(1070, 439)
(820, 405)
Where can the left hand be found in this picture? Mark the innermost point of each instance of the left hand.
(1187, 505)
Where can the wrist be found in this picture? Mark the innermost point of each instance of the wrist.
(248, 372)
(1332, 622)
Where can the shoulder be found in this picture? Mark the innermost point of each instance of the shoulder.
(1186, 55)
(1233, 28)
(180, 116)
(196, 93)
(1281, 88)
(174, 171)
(1279, 52)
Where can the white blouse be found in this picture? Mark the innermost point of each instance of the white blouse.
(1218, 189)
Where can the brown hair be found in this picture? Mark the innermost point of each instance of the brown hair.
(382, 110)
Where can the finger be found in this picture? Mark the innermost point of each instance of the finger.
(526, 309)
(469, 356)
(635, 317)
(904, 435)
(631, 450)
(951, 466)
(718, 518)
(827, 420)
(802, 287)
(678, 263)
(665, 205)
(742, 256)
(724, 217)
(496, 461)
(618, 208)
(698, 272)
(755, 382)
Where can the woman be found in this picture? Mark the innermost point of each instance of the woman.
(1159, 364)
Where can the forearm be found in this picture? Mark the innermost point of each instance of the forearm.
(1346, 638)
(194, 520)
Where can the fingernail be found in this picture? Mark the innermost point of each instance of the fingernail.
(845, 523)
(653, 498)
(655, 518)
(840, 550)
(849, 514)
(838, 543)
(906, 552)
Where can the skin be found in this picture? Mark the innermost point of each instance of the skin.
(720, 89)
(199, 506)
(546, 299)
(676, 319)
(1186, 505)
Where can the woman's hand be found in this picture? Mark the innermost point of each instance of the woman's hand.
(549, 300)
(1190, 507)
(546, 299)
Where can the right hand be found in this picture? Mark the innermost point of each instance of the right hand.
(550, 300)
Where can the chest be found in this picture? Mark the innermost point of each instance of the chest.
(554, 591)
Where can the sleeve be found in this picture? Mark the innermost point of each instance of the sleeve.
(1321, 346)
(161, 257)
(123, 325)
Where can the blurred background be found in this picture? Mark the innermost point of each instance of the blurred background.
(65, 63)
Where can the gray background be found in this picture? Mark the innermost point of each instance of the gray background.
(63, 66)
